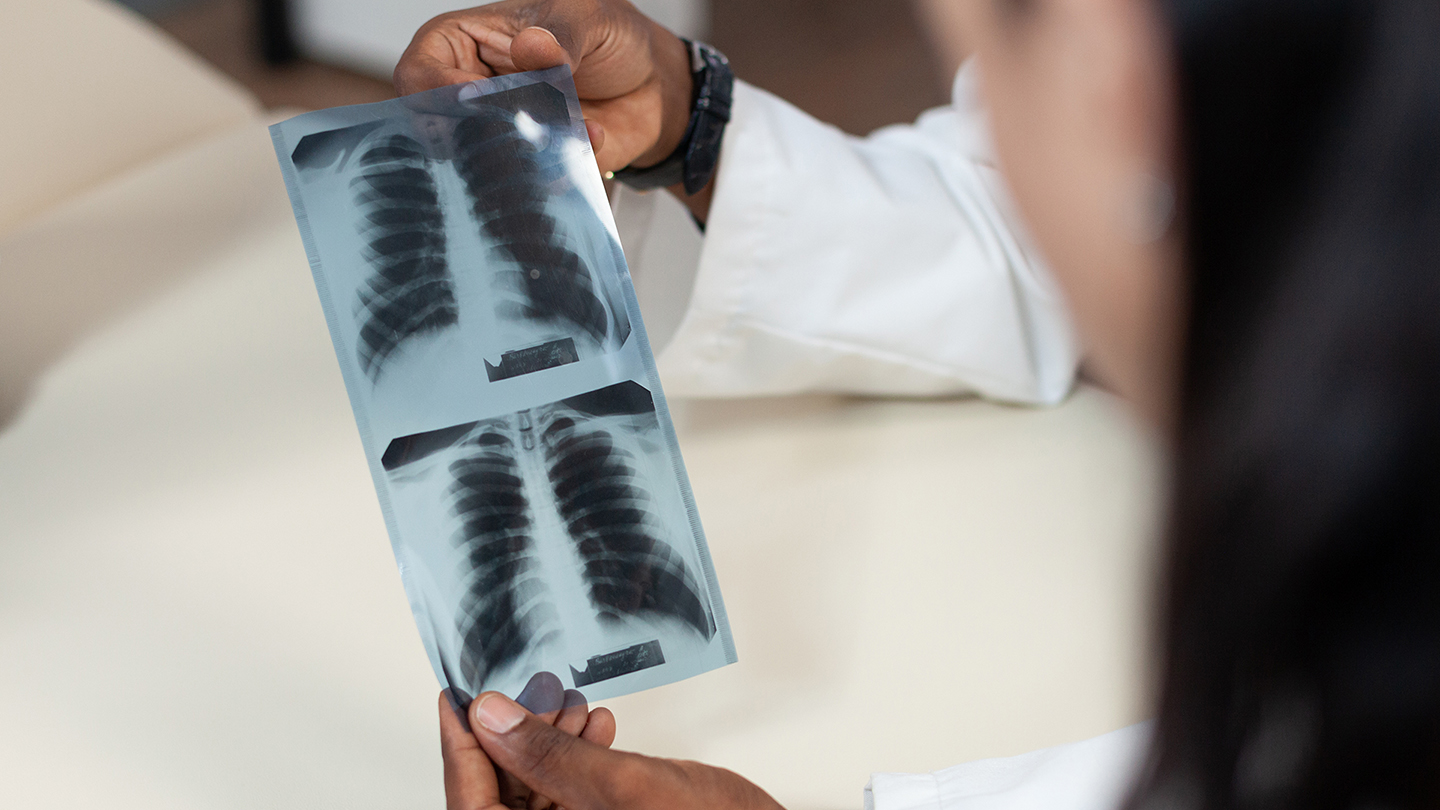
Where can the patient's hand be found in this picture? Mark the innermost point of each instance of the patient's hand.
(579, 771)
(632, 75)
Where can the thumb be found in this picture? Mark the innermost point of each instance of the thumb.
(571, 771)
(537, 48)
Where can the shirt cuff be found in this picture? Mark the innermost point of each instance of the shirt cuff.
(902, 791)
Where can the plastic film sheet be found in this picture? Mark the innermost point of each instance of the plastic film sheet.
(506, 395)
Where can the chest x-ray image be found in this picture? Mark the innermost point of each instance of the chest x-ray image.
(467, 236)
(562, 552)
(486, 327)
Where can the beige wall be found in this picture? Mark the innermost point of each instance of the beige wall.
(941, 21)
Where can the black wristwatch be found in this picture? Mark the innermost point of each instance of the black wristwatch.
(693, 161)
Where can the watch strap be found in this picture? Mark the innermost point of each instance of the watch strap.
(694, 161)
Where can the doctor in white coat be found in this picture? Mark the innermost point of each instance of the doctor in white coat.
(892, 264)
(889, 264)
(1280, 332)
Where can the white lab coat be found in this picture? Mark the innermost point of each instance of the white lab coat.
(1094, 774)
(892, 264)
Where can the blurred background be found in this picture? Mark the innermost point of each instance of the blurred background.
(324, 53)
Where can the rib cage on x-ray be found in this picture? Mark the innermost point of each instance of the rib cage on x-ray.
(570, 496)
(506, 185)
(506, 608)
(508, 180)
(629, 571)
(410, 291)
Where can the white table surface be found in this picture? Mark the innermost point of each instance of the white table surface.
(199, 609)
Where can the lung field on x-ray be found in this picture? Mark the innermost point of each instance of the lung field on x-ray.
(604, 505)
(410, 291)
(474, 219)
(507, 606)
(554, 498)
(506, 183)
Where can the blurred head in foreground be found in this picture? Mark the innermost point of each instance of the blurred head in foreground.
(1242, 200)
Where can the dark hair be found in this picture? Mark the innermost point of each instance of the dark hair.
(1301, 634)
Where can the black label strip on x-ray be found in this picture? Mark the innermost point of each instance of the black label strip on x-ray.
(536, 358)
(627, 397)
(613, 665)
(414, 447)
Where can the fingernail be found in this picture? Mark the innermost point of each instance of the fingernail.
(548, 31)
(458, 701)
(498, 713)
(573, 697)
(544, 693)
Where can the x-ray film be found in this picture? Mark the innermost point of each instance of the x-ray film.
(480, 306)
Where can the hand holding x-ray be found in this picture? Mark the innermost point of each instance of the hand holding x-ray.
(577, 771)
(468, 775)
(632, 76)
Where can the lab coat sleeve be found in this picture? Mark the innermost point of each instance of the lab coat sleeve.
(1094, 774)
(891, 264)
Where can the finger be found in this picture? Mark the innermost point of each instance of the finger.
(631, 125)
(597, 135)
(571, 771)
(600, 728)
(439, 50)
(571, 720)
(573, 716)
(538, 801)
(494, 50)
(423, 72)
(537, 48)
(544, 696)
(509, 51)
(469, 776)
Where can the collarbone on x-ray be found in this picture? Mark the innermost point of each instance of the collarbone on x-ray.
(525, 461)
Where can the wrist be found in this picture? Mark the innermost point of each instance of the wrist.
(677, 94)
(695, 158)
